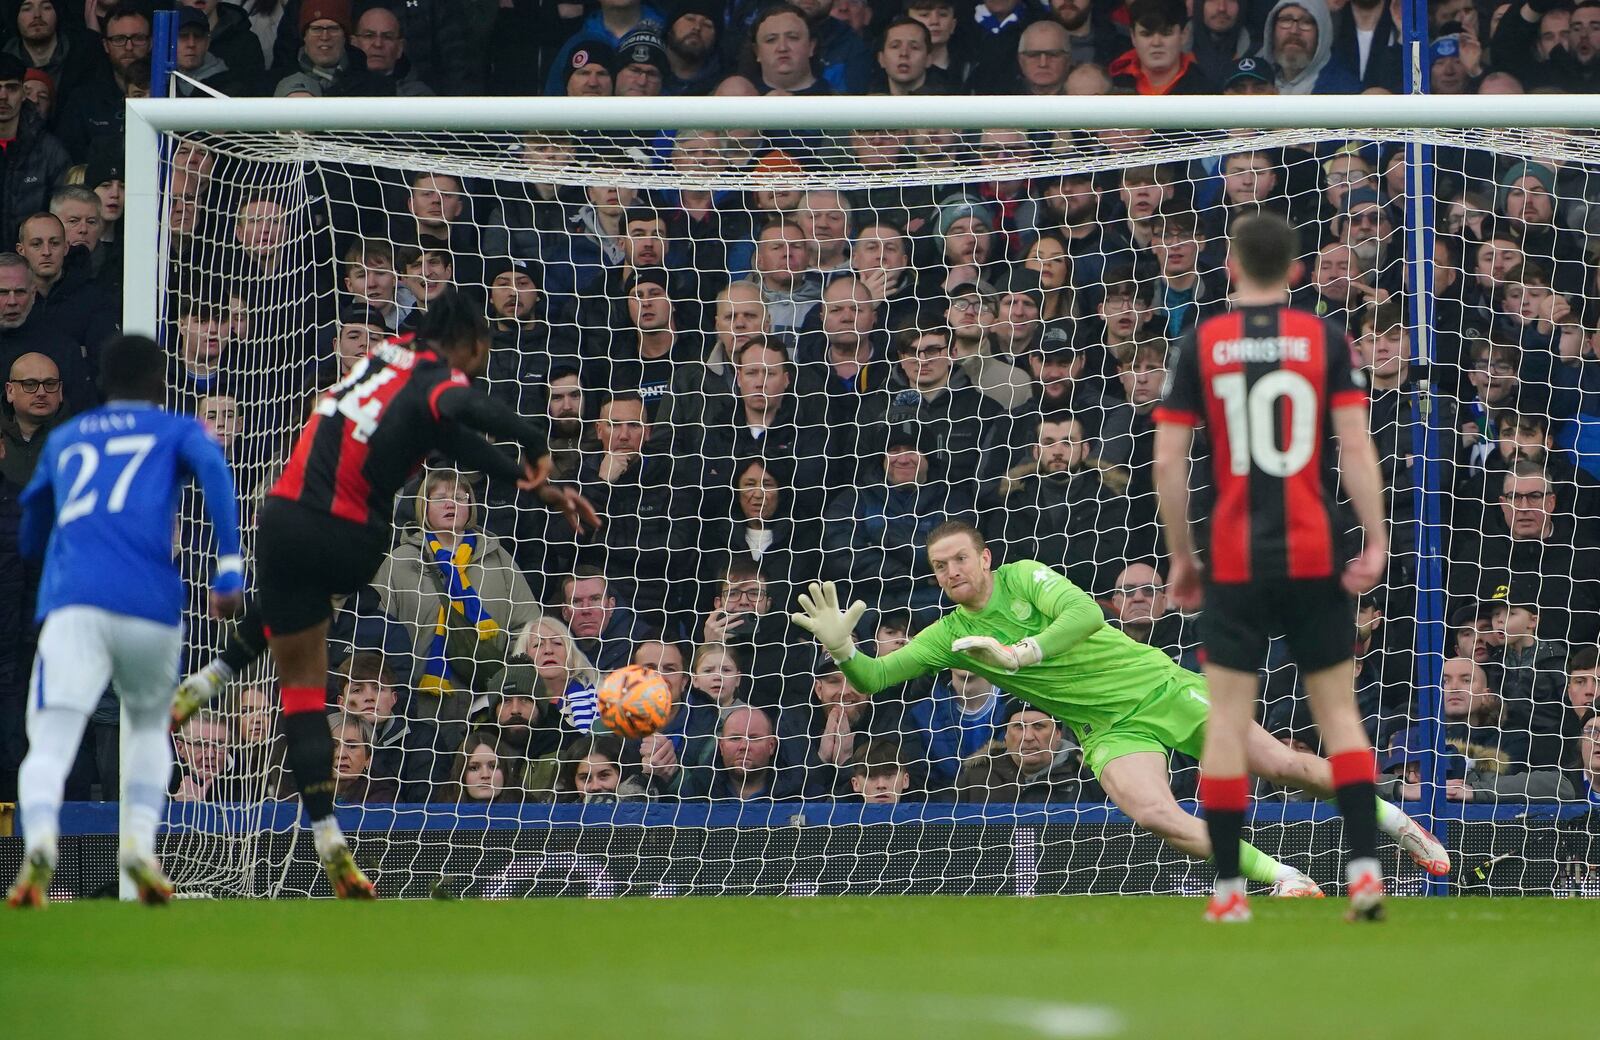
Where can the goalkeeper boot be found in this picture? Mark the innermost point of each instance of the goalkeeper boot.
(151, 883)
(1428, 852)
(1297, 886)
(194, 693)
(346, 878)
(1366, 895)
(32, 890)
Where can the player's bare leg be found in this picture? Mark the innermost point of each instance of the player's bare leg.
(1310, 773)
(1139, 786)
(1350, 760)
(302, 660)
(1225, 783)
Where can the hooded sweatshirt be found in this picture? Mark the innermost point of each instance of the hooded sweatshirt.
(1323, 75)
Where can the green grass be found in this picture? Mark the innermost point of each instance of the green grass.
(828, 968)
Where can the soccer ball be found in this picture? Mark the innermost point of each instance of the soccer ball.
(634, 701)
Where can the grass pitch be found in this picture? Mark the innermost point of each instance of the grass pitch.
(762, 969)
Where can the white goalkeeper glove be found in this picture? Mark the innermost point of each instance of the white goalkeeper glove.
(834, 628)
(990, 651)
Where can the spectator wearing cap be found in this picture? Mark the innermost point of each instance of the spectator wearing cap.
(1059, 504)
(381, 37)
(234, 42)
(1064, 378)
(641, 64)
(1044, 59)
(360, 328)
(1367, 40)
(45, 42)
(1251, 75)
(601, 32)
(928, 392)
(1158, 64)
(694, 58)
(95, 108)
(873, 531)
(1299, 42)
(649, 344)
(1532, 676)
(327, 63)
(1571, 66)
(524, 346)
(198, 63)
(1019, 314)
(1370, 229)
(1219, 38)
(34, 160)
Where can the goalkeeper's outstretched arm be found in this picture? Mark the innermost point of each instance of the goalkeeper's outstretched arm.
(835, 630)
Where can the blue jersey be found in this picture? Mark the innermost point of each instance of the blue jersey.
(105, 498)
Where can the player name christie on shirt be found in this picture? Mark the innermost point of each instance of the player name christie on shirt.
(1261, 350)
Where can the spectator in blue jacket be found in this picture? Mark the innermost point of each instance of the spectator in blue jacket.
(961, 716)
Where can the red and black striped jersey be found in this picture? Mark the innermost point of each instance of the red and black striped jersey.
(1264, 382)
(370, 432)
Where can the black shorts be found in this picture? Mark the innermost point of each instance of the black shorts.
(304, 558)
(1317, 618)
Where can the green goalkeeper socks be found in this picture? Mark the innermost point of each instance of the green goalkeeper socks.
(1260, 867)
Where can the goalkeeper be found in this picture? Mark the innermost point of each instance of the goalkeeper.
(1041, 638)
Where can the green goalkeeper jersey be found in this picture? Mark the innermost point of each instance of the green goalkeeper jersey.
(1091, 674)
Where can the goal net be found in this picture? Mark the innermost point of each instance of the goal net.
(780, 354)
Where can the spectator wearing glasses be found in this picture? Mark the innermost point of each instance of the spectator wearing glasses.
(1532, 543)
(326, 64)
(1140, 609)
(1159, 64)
(380, 36)
(1299, 41)
(33, 409)
(94, 108)
(1044, 59)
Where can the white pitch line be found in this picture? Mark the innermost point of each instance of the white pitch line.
(1054, 1019)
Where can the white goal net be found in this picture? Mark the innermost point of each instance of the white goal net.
(773, 355)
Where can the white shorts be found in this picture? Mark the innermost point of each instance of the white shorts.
(82, 649)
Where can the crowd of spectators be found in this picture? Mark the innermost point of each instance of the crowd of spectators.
(758, 388)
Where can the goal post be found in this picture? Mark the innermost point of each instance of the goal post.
(936, 186)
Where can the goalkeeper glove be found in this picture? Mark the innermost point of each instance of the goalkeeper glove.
(834, 628)
(989, 651)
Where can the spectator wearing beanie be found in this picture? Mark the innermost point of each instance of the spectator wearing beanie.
(437, 35)
(327, 61)
(588, 72)
(234, 43)
(607, 26)
(34, 160)
(693, 34)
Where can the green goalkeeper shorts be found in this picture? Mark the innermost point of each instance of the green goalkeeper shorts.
(1171, 719)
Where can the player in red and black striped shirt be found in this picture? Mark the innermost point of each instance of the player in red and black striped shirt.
(1274, 388)
(324, 528)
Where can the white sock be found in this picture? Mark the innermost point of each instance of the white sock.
(1226, 887)
(1357, 867)
(1283, 872)
(1390, 818)
(54, 734)
(146, 767)
(327, 835)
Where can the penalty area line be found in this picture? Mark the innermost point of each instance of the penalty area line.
(1047, 1018)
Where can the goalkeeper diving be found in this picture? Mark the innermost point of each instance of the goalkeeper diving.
(1043, 640)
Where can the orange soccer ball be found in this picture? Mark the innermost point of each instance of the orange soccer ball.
(635, 701)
